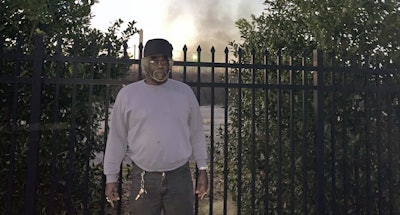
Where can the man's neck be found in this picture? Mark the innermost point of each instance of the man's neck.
(150, 81)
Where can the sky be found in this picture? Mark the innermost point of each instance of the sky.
(193, 23)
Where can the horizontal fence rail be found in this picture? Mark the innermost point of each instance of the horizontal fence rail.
(286, 135)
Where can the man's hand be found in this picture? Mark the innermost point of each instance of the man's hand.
(112, 193)
(202, 184)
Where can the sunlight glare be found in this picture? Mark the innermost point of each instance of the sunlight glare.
(181, 33)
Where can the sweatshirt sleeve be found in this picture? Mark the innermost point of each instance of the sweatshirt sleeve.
(116, 141)
(197, 136)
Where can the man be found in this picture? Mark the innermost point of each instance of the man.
(157, 122)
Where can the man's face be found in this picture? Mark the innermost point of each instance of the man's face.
(158, 68)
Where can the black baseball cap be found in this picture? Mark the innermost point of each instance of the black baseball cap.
(158, 47)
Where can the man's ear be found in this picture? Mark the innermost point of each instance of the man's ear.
(171, 63)
(144, 63)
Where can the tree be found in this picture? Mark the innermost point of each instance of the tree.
(346, 28)
(73, 125)
(352, 33)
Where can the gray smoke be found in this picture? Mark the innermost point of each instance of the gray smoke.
(215, 21)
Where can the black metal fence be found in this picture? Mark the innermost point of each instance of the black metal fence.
(299, 135)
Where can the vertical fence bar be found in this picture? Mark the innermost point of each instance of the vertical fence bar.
(89, 127)
(14, 126)
(357, 147)
(121, 166)
(1, 55)
(212, 147)
(389, 130)
(367, 132)
(304, 136)
(119, 206)
(279, 137)
(72, 137)
(198, 90)
(226, 137)
(198, 73)
(333, 142)
(319, 131)
(266, 133)
(379, 139)
(55, 134)
(140, 75)
(253, 135)
(239, 148)
(345, 140)
(34, 128)
(397, 207)
(292, 141)
(106, 116)
(184, 61)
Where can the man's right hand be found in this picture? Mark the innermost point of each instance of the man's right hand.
(112, 193)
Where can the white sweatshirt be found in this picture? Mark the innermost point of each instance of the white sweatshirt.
(160, 127)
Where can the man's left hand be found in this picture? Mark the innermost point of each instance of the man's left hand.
(202, 184)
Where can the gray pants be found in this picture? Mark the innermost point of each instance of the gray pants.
(170, 192)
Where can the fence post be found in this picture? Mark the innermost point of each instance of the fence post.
(34, 128)
(318, 93)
